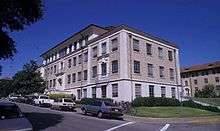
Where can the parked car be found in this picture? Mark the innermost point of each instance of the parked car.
(63, 104)
(11, 118)
(43, 100)
(102, 108)
(13, 97)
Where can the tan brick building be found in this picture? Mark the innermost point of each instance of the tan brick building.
(114, 62)
(197, 76)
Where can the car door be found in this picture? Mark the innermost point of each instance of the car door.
(97, 107)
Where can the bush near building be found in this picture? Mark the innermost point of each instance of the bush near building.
(207, 92)
(60, 95)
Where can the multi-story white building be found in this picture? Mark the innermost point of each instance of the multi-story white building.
(120, 62)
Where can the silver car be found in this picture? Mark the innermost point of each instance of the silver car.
(11, 118)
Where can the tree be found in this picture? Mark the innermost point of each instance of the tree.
(28, 80)
(14, 16)
(5, 87)
(207, 92)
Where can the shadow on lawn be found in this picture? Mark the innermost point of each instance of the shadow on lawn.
(42, 121)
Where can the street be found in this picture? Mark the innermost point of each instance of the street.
(52, 120)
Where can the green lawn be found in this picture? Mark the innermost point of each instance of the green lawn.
(211, 101)
(168, 112)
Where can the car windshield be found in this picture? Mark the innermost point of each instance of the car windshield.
(68, 100)
(44, 97)
(109, 104)
(9, 112)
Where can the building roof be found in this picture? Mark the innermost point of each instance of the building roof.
(111, 30)
(200, 67)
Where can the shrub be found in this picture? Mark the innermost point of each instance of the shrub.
(192, 104)
(207, 92)
(155, 101)
(60, 95)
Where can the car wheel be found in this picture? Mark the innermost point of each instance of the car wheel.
(100, 114)
(84, 111)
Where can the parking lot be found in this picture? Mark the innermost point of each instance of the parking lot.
(53, 120)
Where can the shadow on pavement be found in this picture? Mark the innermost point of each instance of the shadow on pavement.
(42, 121)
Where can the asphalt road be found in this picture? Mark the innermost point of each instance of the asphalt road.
(51, 120)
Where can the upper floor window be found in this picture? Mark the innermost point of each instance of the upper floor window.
(115, 66)
(51, 70)
(137, 90)
(114, 44)
(79, 76)
(85, 74)
(74, 61)
(69, 63)
(94, 52)
(170, 55)
(206, 80)
(104, 48)
(94, 71)
(74, 77)
(160, 52)
(136, 45)
(68, 79)
(114, 90)
(80, 44)
(186, 83)
(136, 66)
(161, 69)
(85, 56)
(195, 82)
(55, 68)
(54, 82)
(104, 68)
(80, 59)
(171, 74)
(216, 79)
(150, 70)
(75, 45)
(61, 65)
(163, 91)
(149, 49)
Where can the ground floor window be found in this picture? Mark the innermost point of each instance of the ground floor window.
(151, 91)
(103, 88)
(114, 90)
(85, 93)
(78, 94)
(93, 92)
(163, 91)
(173, 92)
(137, 90)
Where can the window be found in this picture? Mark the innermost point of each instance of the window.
(54, 82)
(170, 55)
(206, 80)
(93, 92)
(195, 82)
(80, 44)
(136, 66)
(94, 71)
(94, 52)
(75, 45)
(114, 90)
(68, 79)
(104, 68)
(137, 90)
(136, 45)
(114, 44)
(79, 94)
(160, 52)
(217, 87)
(216, 79)
(85, 93)
(161, 68)
(151, 91)
(69, 63)
(149, 49)
(103, 48)
(74, 61)
(115, 66)
(85, 56)
(79, 76)
(80, 59)
(51, 70)
(186, 83)
(61, 65)
(173, 92)
(85, 74)
(163, 91)
(171, 74)
(150, 70)
(103, 88)
(50, 83)
(55, 68)
(74, 77)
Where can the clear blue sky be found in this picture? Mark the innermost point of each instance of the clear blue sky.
(193, 25)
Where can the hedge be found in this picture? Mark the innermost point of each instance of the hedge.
(60, 95)
(155, 101)
(192, 104)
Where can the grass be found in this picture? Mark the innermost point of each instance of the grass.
(169, 112)
(211, 101)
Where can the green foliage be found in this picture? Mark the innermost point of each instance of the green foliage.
(192, 104)
(155, 101)
(207, 92)
(90, 100)
(60, 95)
(5, 87)
(28, 80)
(14, 16)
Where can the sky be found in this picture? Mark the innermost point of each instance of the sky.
(194, 25)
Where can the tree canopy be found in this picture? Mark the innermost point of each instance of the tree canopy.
(14, 16)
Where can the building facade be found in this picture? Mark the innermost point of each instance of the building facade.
(197, 77)
(120, 62)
